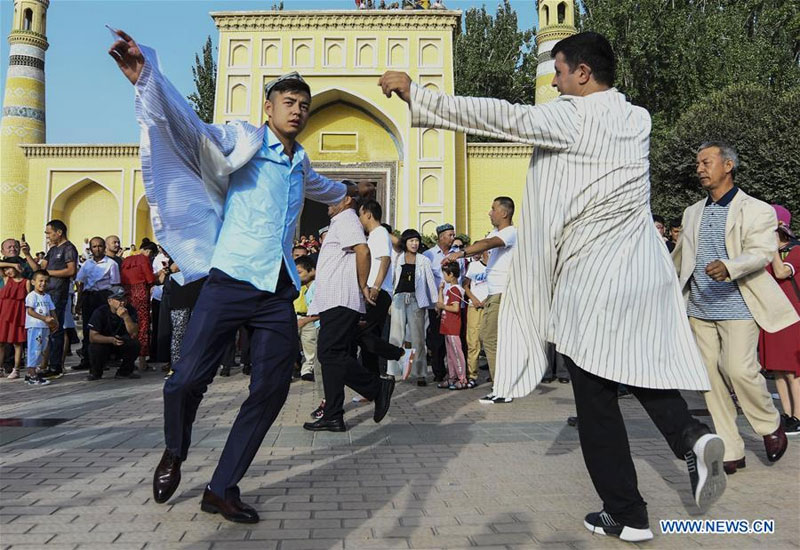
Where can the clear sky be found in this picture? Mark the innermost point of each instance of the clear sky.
(88, 99)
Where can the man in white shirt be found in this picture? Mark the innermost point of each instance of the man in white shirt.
(95, 277)
(379, 286)
(500, 244)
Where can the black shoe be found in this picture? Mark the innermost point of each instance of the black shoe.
(548, 379)
(706, 470)
(421, 381)
(308, 377)
(92, 378)
(232, 509)
(81, 366)
(563, 380)
(225, 371)
(52, 374)
(383, 399)
(438, 378)
(324, 425)
(791, 425)
(167, 477)
(247, 369)
(133, 375)
(602, 523)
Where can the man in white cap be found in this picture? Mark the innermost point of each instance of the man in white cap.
(225, 201)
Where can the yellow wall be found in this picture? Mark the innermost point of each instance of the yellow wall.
(495, 169)
(92, 188)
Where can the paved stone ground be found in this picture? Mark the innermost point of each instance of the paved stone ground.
(441, 471)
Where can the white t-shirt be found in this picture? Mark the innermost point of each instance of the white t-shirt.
(500, 260)
(41, 304)
(380, 246)
(478, 286)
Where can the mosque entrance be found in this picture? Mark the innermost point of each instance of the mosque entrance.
(315, 214)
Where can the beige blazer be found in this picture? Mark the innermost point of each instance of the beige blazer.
(751, 244)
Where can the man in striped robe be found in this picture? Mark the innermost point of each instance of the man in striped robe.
(590, 273)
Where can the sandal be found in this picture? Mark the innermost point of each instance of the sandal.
(471, 383)
(458, 386)
(443, 385)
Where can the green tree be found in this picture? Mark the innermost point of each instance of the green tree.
(492, 58)
(205, 82)
(760, 123)
(672, 53)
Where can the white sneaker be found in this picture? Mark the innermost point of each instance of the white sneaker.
(706, 472)
(487, 399)
(406, 361)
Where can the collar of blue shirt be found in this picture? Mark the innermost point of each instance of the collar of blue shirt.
(726, 198)
(273, 150)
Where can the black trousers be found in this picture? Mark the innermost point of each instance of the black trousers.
(336, 351)
(370, 337)
(90, 301)
(435, 343)
(100, 353)
(56, 360)
(224, 305)
(604, 441)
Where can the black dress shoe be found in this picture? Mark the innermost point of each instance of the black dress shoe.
(775, 444)
(167, 477)
(730, 466)
(92, 377)
(548, 379)
(232, 509)
(307, 377)
(563, 380)
(383, 399)
(326, 425)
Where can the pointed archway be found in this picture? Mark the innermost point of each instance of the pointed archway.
(88, 208)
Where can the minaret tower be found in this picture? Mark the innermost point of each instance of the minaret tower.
(23, 109)
(556, 21)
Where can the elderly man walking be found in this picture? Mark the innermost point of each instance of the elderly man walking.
(590, 274)
(727, 241)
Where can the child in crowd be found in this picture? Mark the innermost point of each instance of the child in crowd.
(308, 329)
(40, 321)
(449, 304)
(12, 315)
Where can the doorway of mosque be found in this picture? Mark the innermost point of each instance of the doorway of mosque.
(315, 215)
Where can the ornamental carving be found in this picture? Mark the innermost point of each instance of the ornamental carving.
(28, 37)
(25, 112)
(499, 150)
(80, 150)
(401, 20)
(27, 61)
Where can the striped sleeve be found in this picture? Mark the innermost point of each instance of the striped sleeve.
(319, 188)
(554, 125)
(159, 103)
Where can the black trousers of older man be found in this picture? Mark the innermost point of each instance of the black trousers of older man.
(604, 440)
(224, 305)
(336, 351)
(370, 336)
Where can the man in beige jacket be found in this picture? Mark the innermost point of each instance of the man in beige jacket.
(727, 240)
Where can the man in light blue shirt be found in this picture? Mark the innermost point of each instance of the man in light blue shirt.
(225, 200)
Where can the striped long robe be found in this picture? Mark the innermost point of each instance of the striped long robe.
(590, 272)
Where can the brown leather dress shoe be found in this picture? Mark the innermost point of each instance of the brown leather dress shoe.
(167, 477)
(232, 509)
(775, 444)
(730, 466)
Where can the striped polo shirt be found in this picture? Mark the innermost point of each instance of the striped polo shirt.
(709, 299)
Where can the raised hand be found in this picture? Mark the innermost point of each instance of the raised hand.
(128, 56)
(397, 82)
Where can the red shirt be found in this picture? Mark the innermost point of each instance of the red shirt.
(451, 321)
(137, 269)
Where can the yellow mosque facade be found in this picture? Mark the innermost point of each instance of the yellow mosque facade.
(424, 176)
